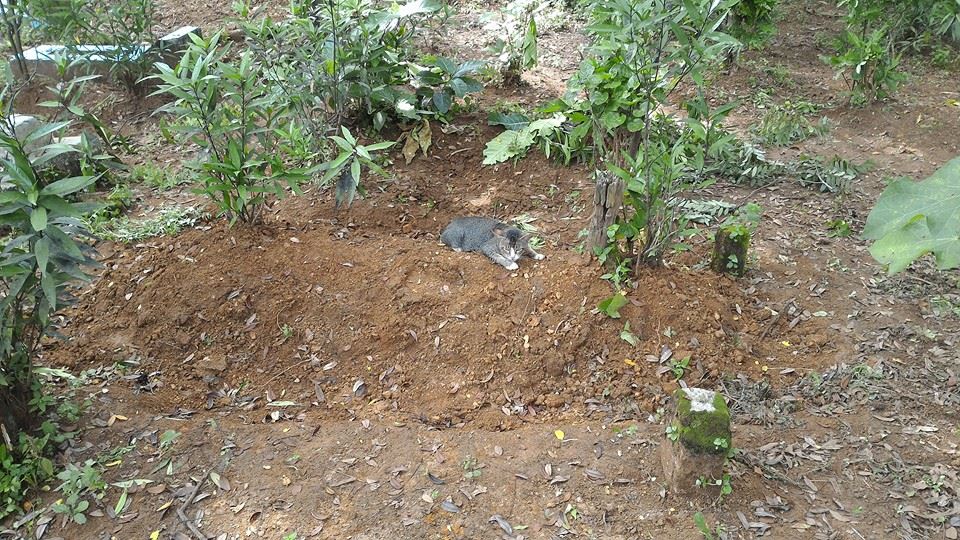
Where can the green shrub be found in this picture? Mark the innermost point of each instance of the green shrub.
(753, 21)
(878, 31)
(342, 60)
(868, 62)
(42, 258)
(786, 124)
(642, 50)
(225, 108)
(126, 26)
(516, 50)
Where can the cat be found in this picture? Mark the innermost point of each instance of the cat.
(501, 242)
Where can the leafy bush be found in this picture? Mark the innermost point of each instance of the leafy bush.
(912, 219)
(867, 61)
(349, 59)
(517, 50)
(642, 51)
(348, 163)
(879, 30)
(753, 21)
(441, 82)
(562, 131)
(224, 107)
(787, 124)
(908, 23)
(78, 483)
(39, 262)
(125, 27)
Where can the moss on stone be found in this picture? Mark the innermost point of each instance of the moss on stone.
(730, 250)
(700, 429)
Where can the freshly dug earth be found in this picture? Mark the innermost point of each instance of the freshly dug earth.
(313, 297)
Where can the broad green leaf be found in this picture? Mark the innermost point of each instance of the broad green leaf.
(38, 219)
(49, 290)
(507, 145)
(380, 146)
(469, 67)
(442, 101)
(611, 306)
(447, 65)
(45, 130)
(334, 167)
(68, 186)
(466, 85)
(544, 126)
(349, 137)
(511, 121)
(912, 219)
(42, 251)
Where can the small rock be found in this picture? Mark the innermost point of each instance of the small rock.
(216, 363)
(554, 401)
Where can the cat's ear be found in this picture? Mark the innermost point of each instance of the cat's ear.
(499, 230)
(524, 239)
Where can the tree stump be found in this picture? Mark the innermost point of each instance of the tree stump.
(698, 440)
(607, 200)
(730, 250)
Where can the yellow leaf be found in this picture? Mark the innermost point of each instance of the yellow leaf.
(410, 148)
(559, 434)
(155, 535)
(630, 362)
(785, 343)
(113, 463)
(122, 418)
(164, 506)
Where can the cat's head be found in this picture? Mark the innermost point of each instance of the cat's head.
(513, 240)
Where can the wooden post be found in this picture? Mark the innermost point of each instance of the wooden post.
(607, 200)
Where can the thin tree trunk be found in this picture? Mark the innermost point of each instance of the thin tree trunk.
(607, 200)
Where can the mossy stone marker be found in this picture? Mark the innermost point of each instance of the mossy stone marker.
(698, 441)
(730, 250)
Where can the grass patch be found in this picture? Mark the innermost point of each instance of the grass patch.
(157, 178)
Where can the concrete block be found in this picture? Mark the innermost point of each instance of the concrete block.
(23, 125)
(171, 47)
(83, 59)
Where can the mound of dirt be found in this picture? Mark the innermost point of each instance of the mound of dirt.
(369, 306)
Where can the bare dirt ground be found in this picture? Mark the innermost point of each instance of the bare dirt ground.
(348, 377)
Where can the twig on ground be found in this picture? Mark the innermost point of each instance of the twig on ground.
(181, 511)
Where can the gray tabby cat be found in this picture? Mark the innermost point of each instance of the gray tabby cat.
(497, 240)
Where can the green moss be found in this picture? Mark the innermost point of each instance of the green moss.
(703, 432)
(730, 250)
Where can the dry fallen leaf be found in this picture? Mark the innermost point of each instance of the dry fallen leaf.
(219, 481)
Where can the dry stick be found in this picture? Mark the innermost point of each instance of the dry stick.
(768, 470)
(284, 372)
(181, 512)
(776, 318)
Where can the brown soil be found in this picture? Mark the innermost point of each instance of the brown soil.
(325, 362)
(373, 290)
